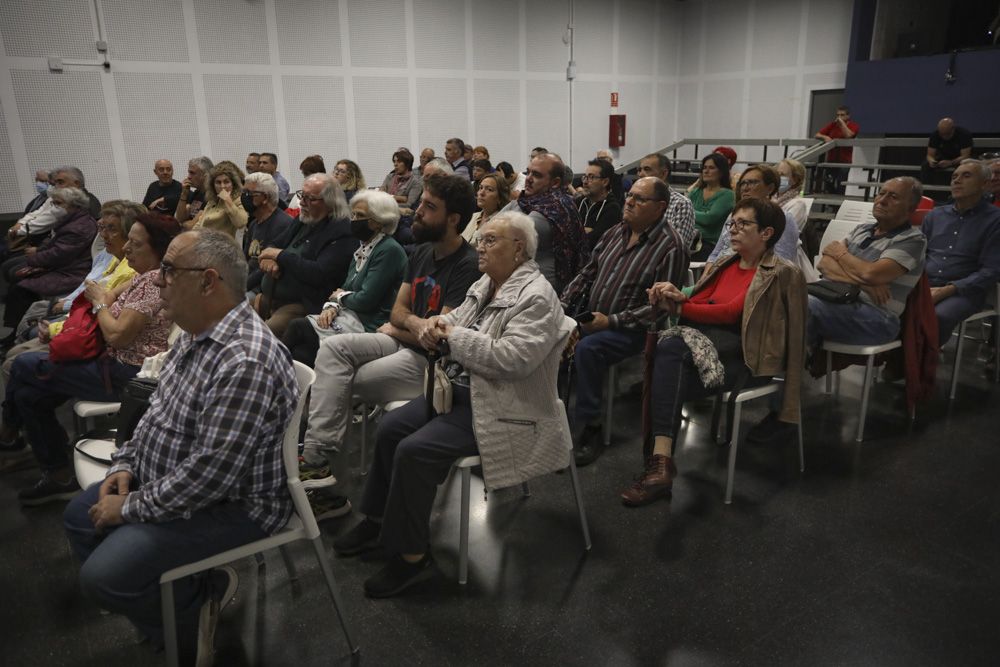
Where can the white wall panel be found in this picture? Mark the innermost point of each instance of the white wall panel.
(497, 107)
(775, 34)
(378, 33)
(636, 30)
(671, 23)
(316, 122)
(829, 33)
(635, 102)
(666, 116)
(442, 112)
(308, 32)
(594, 35)
(382, 123)
(152, 107)
(548, 115)
(726, 35)
(545, 28)
(231, 31)
(771, 103)
(590, 120)
(241, 117)
(691, 31)
(48, 28)
(150, 30)
(439, 31)
(65, 121)
(688, 119)
(10, 198)
(496, 40)
(722, 108)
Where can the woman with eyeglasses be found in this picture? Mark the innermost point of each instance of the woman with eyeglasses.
(348, 174)
(363, 302)
(132, 326)
(712, 202)
(743, 322)
(501, 350)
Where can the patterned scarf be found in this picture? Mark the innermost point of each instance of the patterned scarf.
(703, 353)
(568, 246)
(364, 251)
(399, 182)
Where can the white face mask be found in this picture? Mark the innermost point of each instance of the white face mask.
(41, 187)
(59, 212)
(784, 185)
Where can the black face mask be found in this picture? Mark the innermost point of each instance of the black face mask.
(360, 229)
(247, 201)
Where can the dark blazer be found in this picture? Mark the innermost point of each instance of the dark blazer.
(314, 262)
(65, 255)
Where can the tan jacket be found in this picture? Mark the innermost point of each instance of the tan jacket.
(773, 332)
(521, 429)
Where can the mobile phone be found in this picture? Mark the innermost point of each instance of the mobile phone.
(584, 318)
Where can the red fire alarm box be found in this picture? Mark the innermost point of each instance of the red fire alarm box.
(616, 131)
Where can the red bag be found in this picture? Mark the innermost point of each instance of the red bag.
(80, 338)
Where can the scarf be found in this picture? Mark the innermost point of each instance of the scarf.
(398, 183)
(568, 247)
(364, 252)
(789, 195)
(703, 353)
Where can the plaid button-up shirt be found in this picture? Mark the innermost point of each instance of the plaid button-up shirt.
(214, 428)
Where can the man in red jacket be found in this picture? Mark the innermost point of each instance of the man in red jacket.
(841, 127)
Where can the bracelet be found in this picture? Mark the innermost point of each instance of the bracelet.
(98, 307)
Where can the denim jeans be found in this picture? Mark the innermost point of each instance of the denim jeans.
(594, 354)
(122, 566)
(856, 323)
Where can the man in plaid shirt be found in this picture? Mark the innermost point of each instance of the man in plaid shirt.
(203, 471)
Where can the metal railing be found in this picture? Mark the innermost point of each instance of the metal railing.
(768, 150)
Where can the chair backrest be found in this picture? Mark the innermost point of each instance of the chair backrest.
(855, 211)
(837, 230)
(923, 208)
(808, 201)
(305, 377)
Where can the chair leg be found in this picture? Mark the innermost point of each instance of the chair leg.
(733, 446)
(463, 529)
(716, 419)
(958, 361)
(829, 372)
(293, 575)
(609, 403)
(574, 480)
(331, 585)
(525, 491)
(802, 456)
(169, 623)
(865, 392)
(364, 439)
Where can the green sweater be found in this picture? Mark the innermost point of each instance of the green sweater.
(709, 216)
(373, 288)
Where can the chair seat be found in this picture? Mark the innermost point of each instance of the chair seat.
(468, 462)
(87, 470)
(982, 315)
(86, 409)
(392, 405)
(862, 350)
(754, 392)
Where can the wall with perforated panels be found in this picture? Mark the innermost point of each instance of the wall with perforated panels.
(360, 78)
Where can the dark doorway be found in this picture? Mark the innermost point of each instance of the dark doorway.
(823, 108)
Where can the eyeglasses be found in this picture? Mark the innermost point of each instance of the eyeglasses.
(111, 229)
(590, 177)
(168, 272)
(750, 182)
(309, 199)
(489, 241)
(338, 170)
(740, 225)
(358, 217)
(639, 199)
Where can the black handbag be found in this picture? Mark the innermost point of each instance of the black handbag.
(834, 291)
(135, 402)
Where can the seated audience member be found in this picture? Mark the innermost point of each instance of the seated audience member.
(561, 240)
(192, 198)
(502, 348)
(132, 326)
(267, 226)
(163, 194)
(315, 259)
(224, 206)
(348, 174)
(454, 153)
(509, 175)
(712, 201)
(203, 472)
(679, 213)
(492, 195)
(426, 156)
(761, 181)
(59, 263)
(268, 163)
(792, 175)
(831, 179)
(467, 153)
(311, 164)
(253, 163)
(402, 182)
(41, 192)
(480, 168)
(743, 323)
(480, 153)
(730, 155)
(643, 249)
(390, 365)
(993, 187)
(963, 248)
(363, 302)
(439, 166)
(885, 259)
(599, 210)
(35, 224)
(947, 146)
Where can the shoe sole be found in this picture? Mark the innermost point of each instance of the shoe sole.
(35, 502)
(668, 495)
(336, 512)
(423, 575)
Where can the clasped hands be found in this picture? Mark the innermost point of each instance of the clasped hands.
(432, 331)
(666, 296)
(107, 511)
(268, 262)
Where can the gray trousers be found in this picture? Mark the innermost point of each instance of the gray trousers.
(372, 366)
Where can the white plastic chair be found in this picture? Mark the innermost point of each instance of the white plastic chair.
(84, 410)
(981, 315)
(864, 351)
(301, 526)
(837, 230)
(855, 211)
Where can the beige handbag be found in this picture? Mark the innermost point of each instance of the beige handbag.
(440, 387)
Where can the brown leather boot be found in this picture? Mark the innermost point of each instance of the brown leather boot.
(655, 482)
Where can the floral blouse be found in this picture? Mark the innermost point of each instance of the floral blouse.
(142, 296)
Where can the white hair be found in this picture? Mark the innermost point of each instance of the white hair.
(982, 166)
(333, 195)
(71, 197)
(382, 208)
(439, 164)
(265, 184)
(522, 226)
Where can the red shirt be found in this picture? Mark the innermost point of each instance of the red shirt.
(721, 301)
(843, 154)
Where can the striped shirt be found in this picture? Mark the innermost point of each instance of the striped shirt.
(617, 276)
(214, 428)
(904, 245)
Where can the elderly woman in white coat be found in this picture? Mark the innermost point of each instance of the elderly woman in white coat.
(501, 349)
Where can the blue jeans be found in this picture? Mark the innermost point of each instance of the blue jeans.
(37, 387)
(953, 310)
(594, 354)
(122, 566)
(856, 323)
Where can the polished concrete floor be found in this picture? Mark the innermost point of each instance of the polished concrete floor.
(884, 553)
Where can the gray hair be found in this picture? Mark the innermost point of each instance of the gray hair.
(916, 189)
(133, 210)
(72, 171)
(265, 184)
(333, 195)
(203, 162)
(441, 165)
(522, 226)
(982, 166)
(214, 249)
(71, 197)
(382, 208)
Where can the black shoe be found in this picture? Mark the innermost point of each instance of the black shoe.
(328, 506)
(14, 447)
(398, 575)
(770, 429)
(363, 537)
(589, 445)
(47, 490)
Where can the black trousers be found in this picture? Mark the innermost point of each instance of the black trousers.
(302, 341)
(19, 300)
(412, 456)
